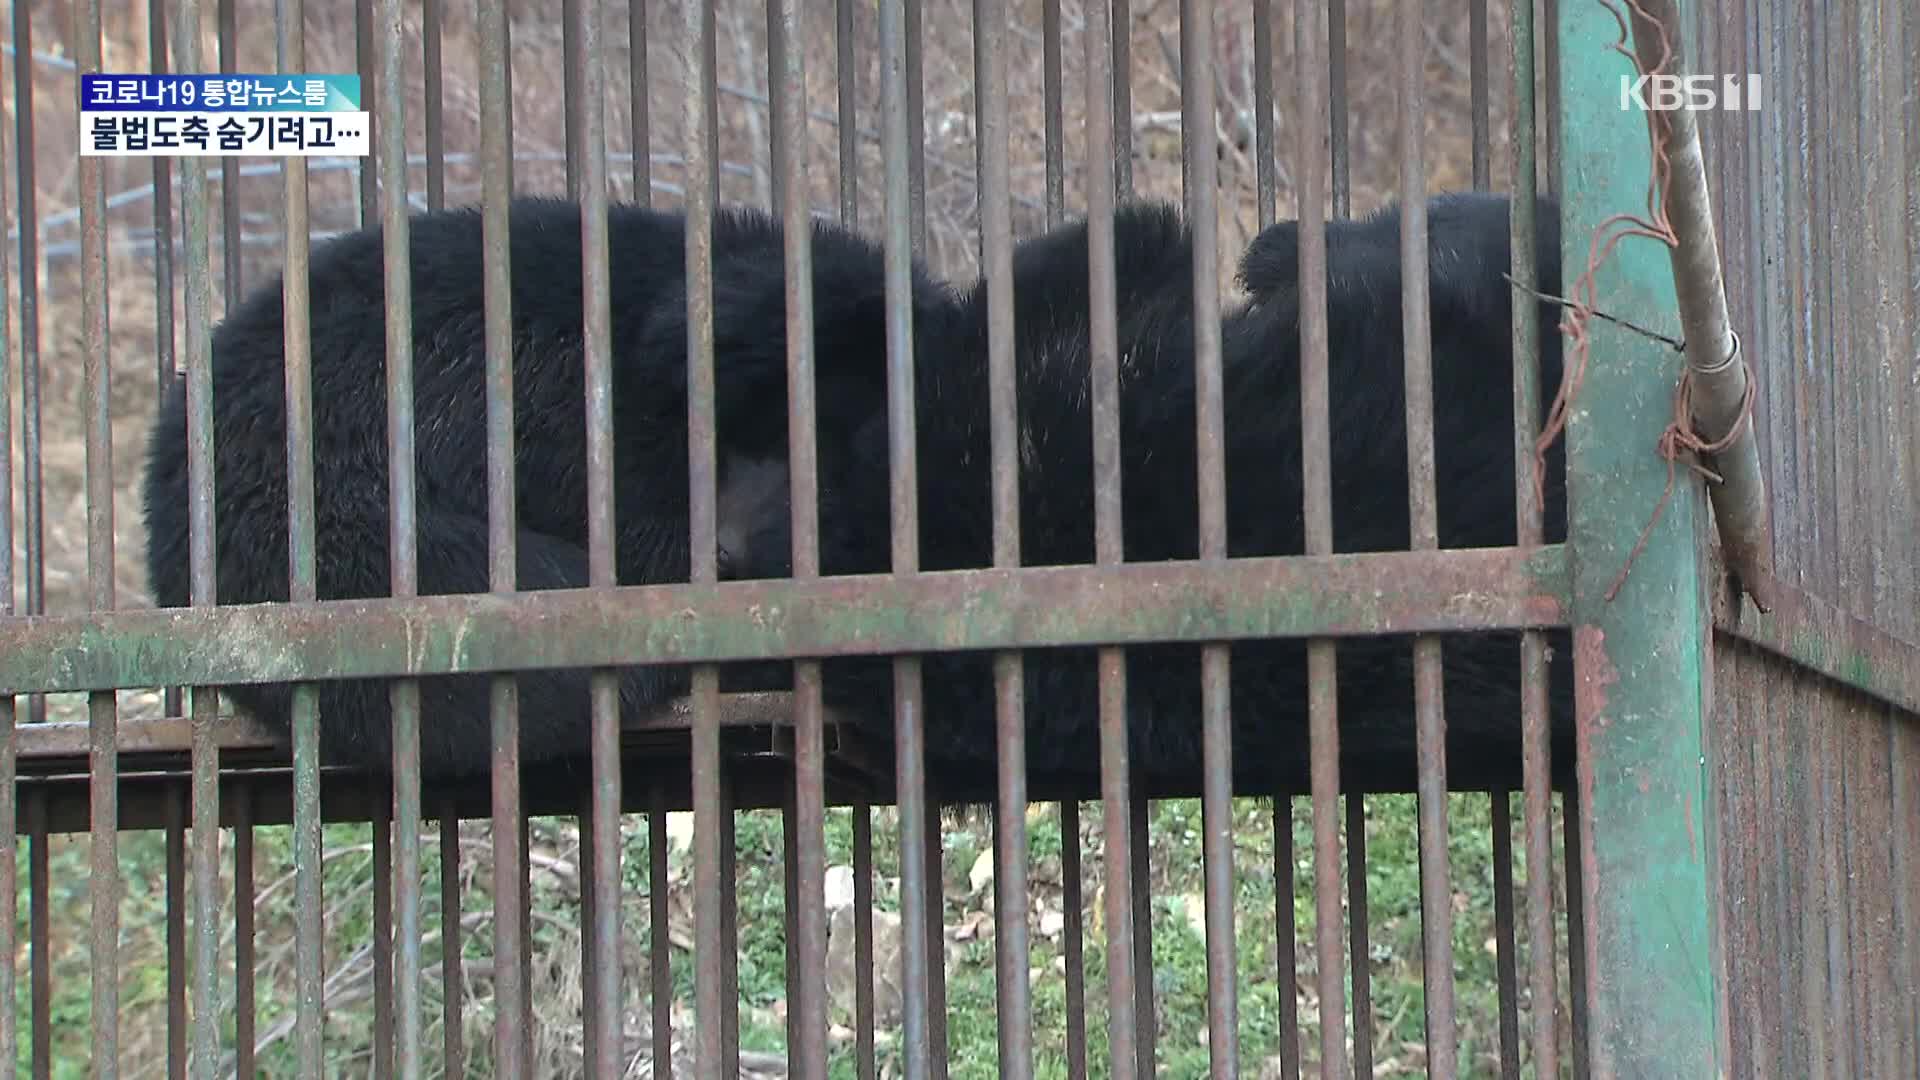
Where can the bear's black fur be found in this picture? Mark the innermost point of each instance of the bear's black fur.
(650, 438)
(1472, 373)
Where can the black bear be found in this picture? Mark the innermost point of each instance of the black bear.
(650, 439)
(1472, 373)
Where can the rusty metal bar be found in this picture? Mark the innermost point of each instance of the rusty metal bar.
(1335, 83)
(903, 235)
(1315, 80)
(205, 755)
(1436, 895)
(380, 796)
(1505, 963)
(1266, 182)
(396, 236)
(39, 960)
(31, 479)
(915, 99)
(434, 98)
(1012, 949)
(729, 932)
(1576, 933)
(525, 885)
(639, 103)
(660, 981)
(1536, 774)
(1105, 87)
(1359, 953)
(1821, 636)
(863, 1019)
(1718, 375)
(243, 954)
(451, 990)
(847, 91)
(163, 328)
(103, 883)
(1200, 152)
(1140, 892)
(1285, 926)
(586, 111)
(711, 816)
(1480, 589)
(231, 282)
(1055, 125)
(365, 173)
(1119, 28)
(9, 736)
(509, 870)
(309, 940)
(1073, 932)
(176, 922)
(936, 937)
(1478, 96)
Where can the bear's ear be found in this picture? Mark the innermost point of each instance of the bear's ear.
(1270, 269)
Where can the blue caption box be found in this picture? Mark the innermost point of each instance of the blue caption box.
(220, 93)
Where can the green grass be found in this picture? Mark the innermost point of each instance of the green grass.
(1179, 968)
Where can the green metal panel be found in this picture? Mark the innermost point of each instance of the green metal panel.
(1639, 659)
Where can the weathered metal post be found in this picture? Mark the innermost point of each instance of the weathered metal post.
(1640, 659)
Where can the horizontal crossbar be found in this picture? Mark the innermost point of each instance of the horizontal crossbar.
(1134, 603)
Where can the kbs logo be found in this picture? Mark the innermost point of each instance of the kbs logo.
(1665, 93)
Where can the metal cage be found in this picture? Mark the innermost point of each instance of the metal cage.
(1741, 888)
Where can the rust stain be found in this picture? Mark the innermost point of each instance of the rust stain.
(1593, 674)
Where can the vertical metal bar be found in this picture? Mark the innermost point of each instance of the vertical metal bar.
(1199, 147)
(452, 992)
(434, 99)
(39, 960)
(916, 109)
(162, 251)
(1504, 961)
(9, 745)
(729, 930)
(380, 796)
(403, 531)
(1478, 96)
(936, 938)
(1312, 89)
(526, 945)
(1011, 946)
(1050, 78)
(660, 984)
(790, 910)
(639, 102)
(1648, 849)
(591, 1010)
(571, 63)
(1119, 28)
(1266, 184)
(509, 870)
(1576, 934)
(1336, 84)
(807, 1051)
(863, 1019)
(1550, 63)
(198, 340)
(365, 172)
(31, 480)
(1359, 954)
(243, 953)
(175, 814)
(1105, 119)
(1536, 777)
(1141, 893)
(711, 819)
(103, 881)
(1074, 934)
(899, 97)
(231, 250)
(1285, 925)
(589, 101)
(1436, 895)
(309, 940)
(847, 90)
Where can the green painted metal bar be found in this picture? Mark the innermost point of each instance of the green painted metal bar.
(1330, 596)
(1645, 854)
